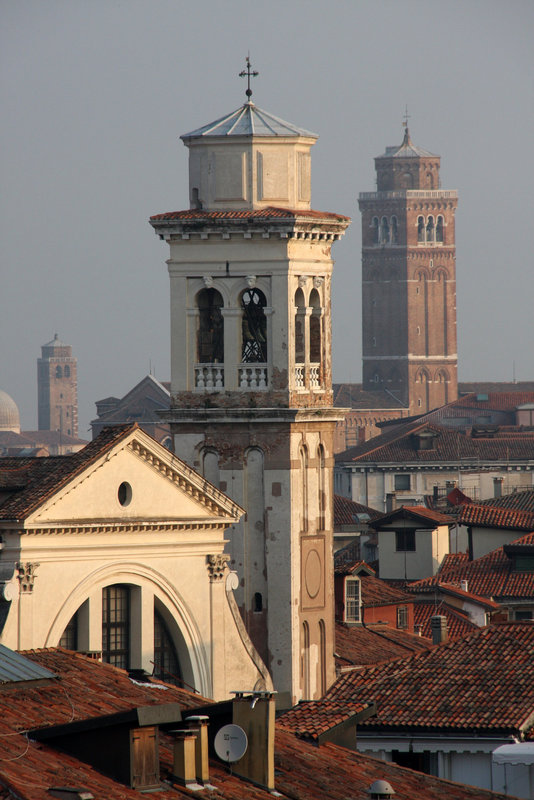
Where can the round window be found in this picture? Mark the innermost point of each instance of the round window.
(124, 494)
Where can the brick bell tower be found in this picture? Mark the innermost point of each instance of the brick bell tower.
(57, 388)
(250, 272)
(409, 280)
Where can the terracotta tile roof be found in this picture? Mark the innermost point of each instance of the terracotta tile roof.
(346, 511)
(372, 644)
(311, 718)
(257, 214)
(303, 770)
(37, 478)
(375, 592)
(351, 395)
(399, 444)
(488, 516)
(491, 575)
(502, 401)
(487, 387)
(94, 689)
(346, 567)
(483, 682)
(457, 591)
(522, 501)
(458, 622)
(413, 512)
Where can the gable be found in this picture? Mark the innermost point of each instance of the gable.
(135, 481)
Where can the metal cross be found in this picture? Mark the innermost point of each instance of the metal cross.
(248, 73)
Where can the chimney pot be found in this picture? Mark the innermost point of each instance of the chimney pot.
(199, 725)
(184, 756)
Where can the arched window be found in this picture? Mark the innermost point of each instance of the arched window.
(315, 328)
(258, 603)
(254, 327)
(406, 180)
(210, 341)
(321, 487)
(430, 231)
(322, 651)
(384, 230)
(66, 371)
(439, 229)
(166, 663)
(59, 372)
(420, 229)
(375, 230)
(210, 467)
(300, 320)
(305, 661)
(304, 488)
(394, 231)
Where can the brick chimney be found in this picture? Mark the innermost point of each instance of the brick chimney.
(438, 625)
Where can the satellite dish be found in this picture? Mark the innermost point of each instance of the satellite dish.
(230, 743)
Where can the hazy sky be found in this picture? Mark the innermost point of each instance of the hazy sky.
(95, 93)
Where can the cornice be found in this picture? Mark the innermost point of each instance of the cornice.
(135, 526)
(189, 482)
(327, 228)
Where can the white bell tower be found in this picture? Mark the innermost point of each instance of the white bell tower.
(250, 273)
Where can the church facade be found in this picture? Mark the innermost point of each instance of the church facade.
(251, 389)
(118, 551)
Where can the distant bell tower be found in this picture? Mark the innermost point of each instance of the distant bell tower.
(409, 280)
(57, 388)
(251, 387)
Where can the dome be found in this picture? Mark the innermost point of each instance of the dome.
(9, 414)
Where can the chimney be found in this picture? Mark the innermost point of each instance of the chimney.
(464, 586)
(184, 770)
(438, 625)
(254, 712)
(199, 726)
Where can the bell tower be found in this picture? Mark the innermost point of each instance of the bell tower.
(57, 388)
(409, 280)
(251, 388)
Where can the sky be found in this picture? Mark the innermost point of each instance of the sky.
(95, 94)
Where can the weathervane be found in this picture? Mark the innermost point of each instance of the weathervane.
(406, 118)
(248, 73)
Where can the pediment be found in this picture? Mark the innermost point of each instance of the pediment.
(137, 480)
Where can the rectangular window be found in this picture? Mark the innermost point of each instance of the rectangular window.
(116, 626)
(402, 617)
(527, 614)
(405, 541)
(402, 483)
(352, 599)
